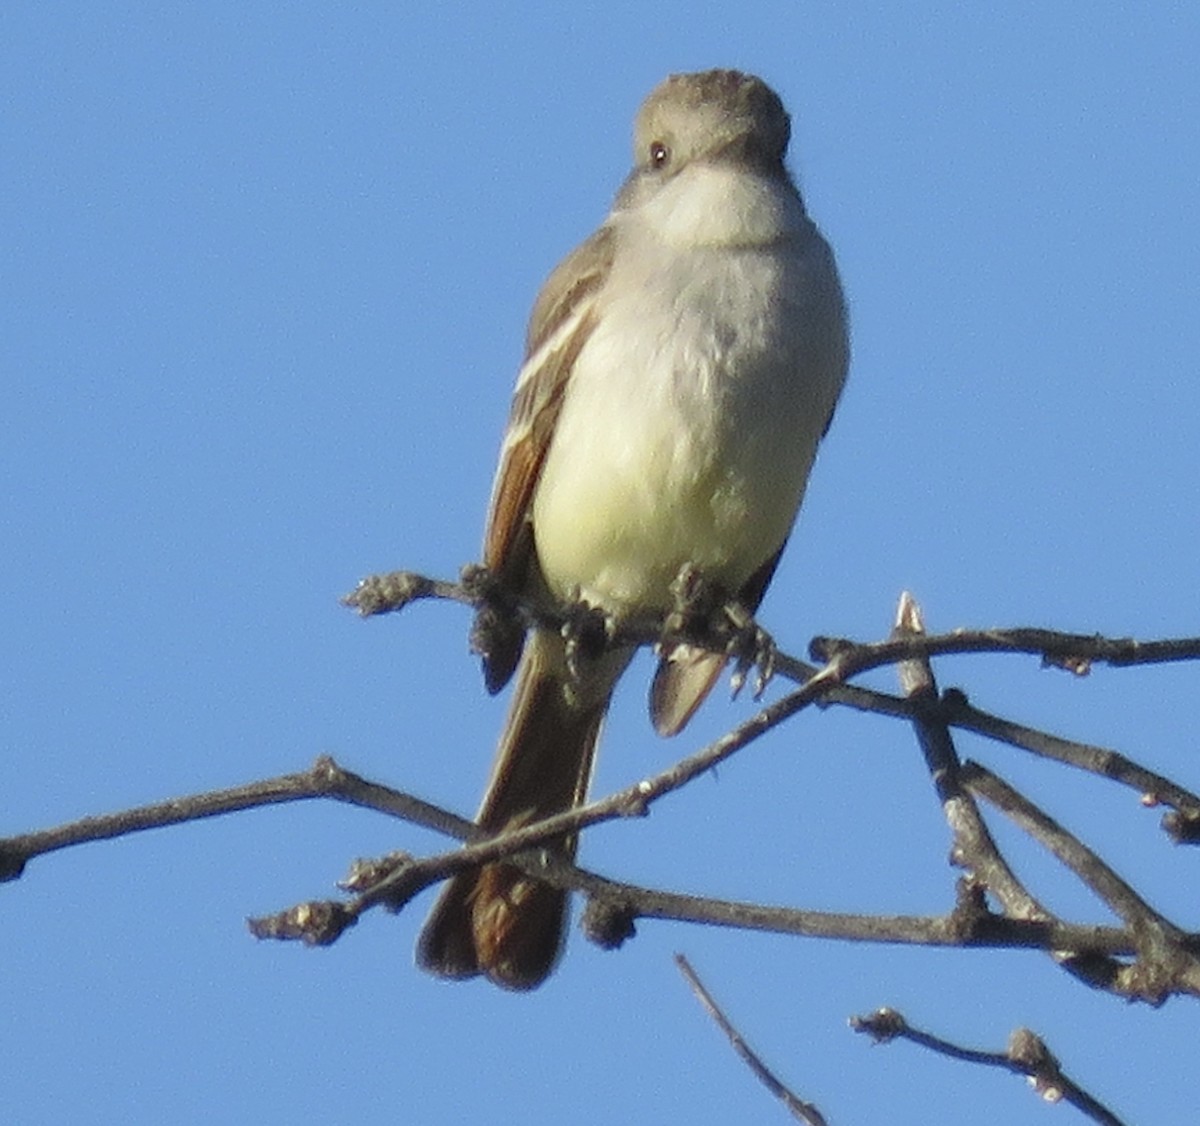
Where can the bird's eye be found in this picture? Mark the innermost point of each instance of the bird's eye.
(659, 154)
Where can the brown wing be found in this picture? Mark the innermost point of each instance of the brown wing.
(562, 320)
(575, 278)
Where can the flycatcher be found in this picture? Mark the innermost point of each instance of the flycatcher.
(681, 366)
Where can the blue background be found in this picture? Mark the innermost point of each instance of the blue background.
(265, 275)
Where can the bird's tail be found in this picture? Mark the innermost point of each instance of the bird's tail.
(496, 920)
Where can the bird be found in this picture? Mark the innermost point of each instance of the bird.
(682, 365)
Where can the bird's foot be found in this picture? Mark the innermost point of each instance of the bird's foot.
(497, 634)
(751, 648)
(704, 614)
(586, 632)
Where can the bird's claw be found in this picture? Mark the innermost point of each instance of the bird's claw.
(703, 611)
(751, 648)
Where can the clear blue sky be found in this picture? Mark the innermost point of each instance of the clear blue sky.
(265, 275)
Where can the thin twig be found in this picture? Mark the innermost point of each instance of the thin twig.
(1166, 964)
(1074, 652)
(800, 1110)
(1026, 1055)
(1154, 788)
(954, 709)
(325, 779)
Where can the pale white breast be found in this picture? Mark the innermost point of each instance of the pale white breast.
(694, 410)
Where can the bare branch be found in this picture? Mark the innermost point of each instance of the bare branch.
(391, 592)
(1166, 961)
(406, 880)
(1154, 788)
(380, 594)
(326, 779)
(1026, 1055)
(953, 709)
(975, 850)
(394, 879)
(1071, 651)
(320, 922)
(966, 926)
(800, 1110)
(613, 906)
(386, 593)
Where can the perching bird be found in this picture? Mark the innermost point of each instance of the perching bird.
(681, 367)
